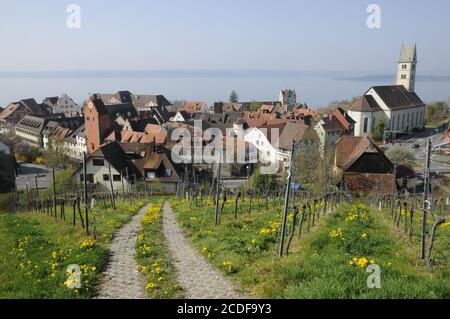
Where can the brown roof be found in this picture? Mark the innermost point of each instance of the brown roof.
(398, 97)
(265, 123)
(365, 103)
(343, 118)
(10, 109)
(351, 148)
(331, 124)
(114, 154)
(193, 107)
(260, 116)
(292, 131)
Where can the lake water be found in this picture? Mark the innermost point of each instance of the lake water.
(317, 89)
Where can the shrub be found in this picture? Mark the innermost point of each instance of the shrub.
(7, 202)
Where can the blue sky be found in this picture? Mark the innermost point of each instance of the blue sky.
(227, 34)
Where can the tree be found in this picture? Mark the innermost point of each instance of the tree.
(255, 106)
(436, 112)
(378, 130)
(234, 97)
(401, 155)
(56, 154)
(24, 152)
(260, 182)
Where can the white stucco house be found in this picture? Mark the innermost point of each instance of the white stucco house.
(76, 143)
(398, 106)
(67, 106)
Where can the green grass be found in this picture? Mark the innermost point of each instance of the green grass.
(36, 250)
(319, 265)
(153, 258)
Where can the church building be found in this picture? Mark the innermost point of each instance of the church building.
(398, 106)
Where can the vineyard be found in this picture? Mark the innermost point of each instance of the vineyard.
(38, 246)
(304, 245)
(330, 242)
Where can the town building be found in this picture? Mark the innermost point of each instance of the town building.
(288, 98)
(305, 137)
(131, 163)
(193, 107)
(362, 167)
(329, 130)
(15, 111)
(67, 106)
(397, 106)
(76, 144)
(37, 131)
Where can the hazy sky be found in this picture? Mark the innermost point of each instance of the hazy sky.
(222, 34)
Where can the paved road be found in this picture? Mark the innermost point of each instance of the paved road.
(121, 279)
(27, 176)
(439, 163)
(198, 278)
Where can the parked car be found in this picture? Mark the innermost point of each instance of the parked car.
(434, 174)
(415, 146)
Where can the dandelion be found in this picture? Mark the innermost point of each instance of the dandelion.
(228, 266)
(87, 244)
(363, 235)
(151, 286)
(337, 234)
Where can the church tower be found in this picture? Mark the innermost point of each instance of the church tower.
(406, 71)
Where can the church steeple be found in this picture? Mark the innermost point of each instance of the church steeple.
(406, 71)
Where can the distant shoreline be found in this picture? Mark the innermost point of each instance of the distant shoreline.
(335, 75)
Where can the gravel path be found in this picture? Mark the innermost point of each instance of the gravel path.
(121, 280)
(198, 278)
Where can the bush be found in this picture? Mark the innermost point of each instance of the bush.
(40, 160)
(7, 202)
(436, 112)
(401, 155)
(25, 152)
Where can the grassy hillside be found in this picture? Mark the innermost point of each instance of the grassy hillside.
(36, 250)
(329, 261)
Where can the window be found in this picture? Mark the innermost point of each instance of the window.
(404, 66)
(366, 125)
(403, 76)
(168, 172)
(106, 177)
(398, 122)
(98, 162)
(90, 178)
(403, 121)
(81, 178)
(117, 178)
(151, 175)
